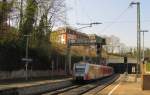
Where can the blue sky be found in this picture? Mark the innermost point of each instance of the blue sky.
(108, 11)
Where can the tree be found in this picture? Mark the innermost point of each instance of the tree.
(113, 42)
(29, 17)
(147, 52)
(38, 24)
(5, 9)
(43, 15)
(49, 12)
(47, 15)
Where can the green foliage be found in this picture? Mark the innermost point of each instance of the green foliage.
(147, 52)
(13, 43)
(5, 9)
(10, 55)
(41, 27)
(147, 67)
(29, 17)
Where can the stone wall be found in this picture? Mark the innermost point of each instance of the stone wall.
(22, 74)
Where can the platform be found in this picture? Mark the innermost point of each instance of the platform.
(23, 83)
(125, 85)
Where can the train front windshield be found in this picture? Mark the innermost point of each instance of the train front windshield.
(80, 68)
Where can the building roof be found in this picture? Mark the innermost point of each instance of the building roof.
(71, 30)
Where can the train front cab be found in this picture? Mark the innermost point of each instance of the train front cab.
(79, 72)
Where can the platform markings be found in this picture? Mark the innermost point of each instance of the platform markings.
(110, 93)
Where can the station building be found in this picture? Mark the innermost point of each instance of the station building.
(64, 34)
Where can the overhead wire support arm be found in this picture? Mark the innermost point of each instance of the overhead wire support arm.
(88, 24)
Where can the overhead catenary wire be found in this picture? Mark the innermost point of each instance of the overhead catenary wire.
(76, 12)
(127, 21)
(116, 19)
(83, 11)
(87, 15)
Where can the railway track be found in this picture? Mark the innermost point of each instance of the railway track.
(62, 90)
(84, 88)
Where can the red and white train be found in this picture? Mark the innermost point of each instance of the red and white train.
(87, 71)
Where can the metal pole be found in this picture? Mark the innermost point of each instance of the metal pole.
(26, 56)
(70, 60)
(100, 54)
(143, 46)
(139, 37)
(66, 49)
(52, 65)
(52, 68)
(26, 65)
(68, 57)
(127, 68)
(143, 43)
(21, 13)
(57, 58)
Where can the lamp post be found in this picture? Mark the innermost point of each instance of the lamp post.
(143, 42)
(138, 37)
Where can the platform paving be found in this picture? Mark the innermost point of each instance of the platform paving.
(125, 85)
(15, 84)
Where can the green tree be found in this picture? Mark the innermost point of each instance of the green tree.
(29, 17)
(147, 52)
(7, 32)
(5, 9)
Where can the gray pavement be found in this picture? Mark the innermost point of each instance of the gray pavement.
(125, 85)
(8, 85)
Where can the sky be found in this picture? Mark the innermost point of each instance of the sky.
(116, 16)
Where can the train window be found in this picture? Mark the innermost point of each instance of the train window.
(80, 70)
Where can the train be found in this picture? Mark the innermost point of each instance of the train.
(86, 71)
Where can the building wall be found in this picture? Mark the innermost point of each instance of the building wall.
(22, 74)
(62, 36)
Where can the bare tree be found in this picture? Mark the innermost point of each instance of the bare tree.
(5, 9)
(122, 48)
(53, 11)
(113, 42)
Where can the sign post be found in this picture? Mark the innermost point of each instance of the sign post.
(26, 59)
(126, 62)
